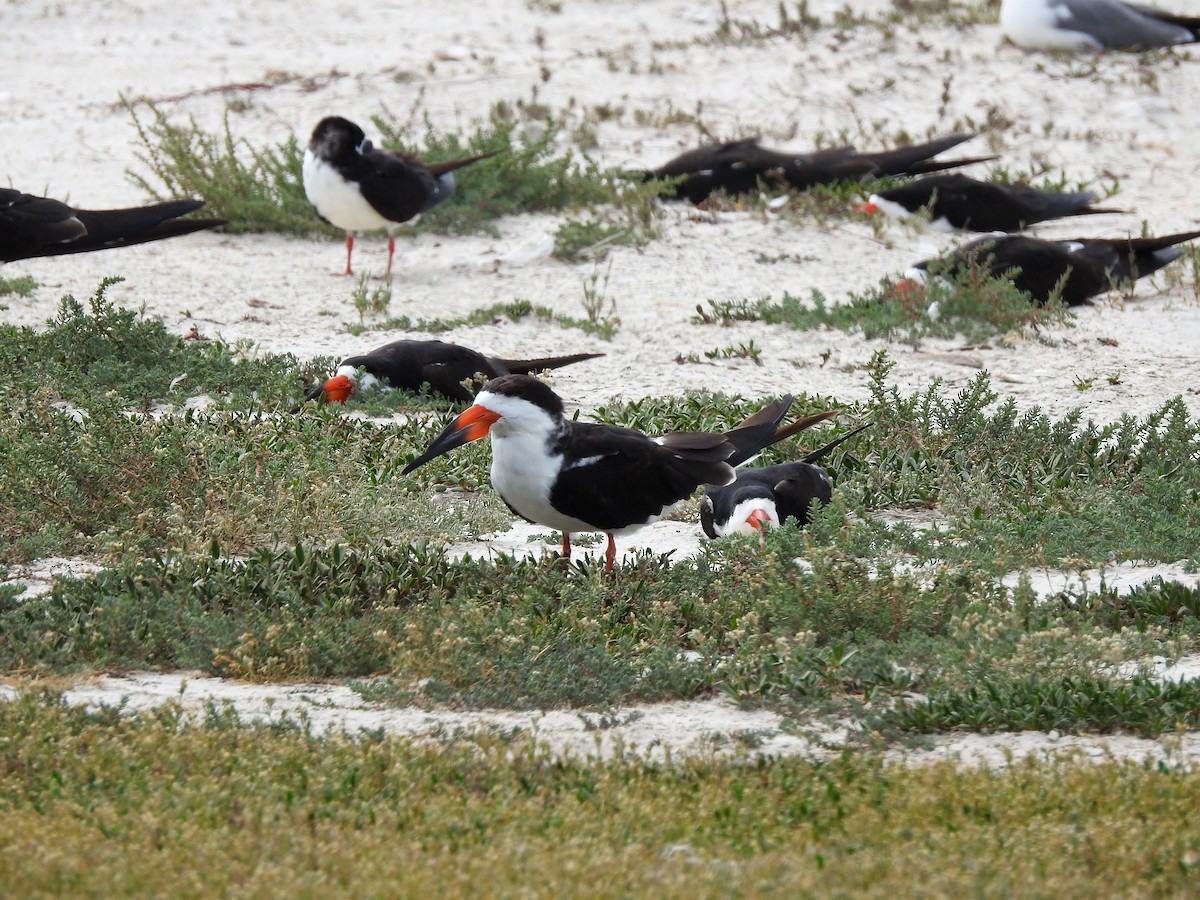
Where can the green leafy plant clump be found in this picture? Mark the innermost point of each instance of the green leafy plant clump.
(261, 188)
(254, 188)
(22, 285)
(970, 303)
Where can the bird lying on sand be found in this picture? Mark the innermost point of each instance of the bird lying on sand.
(739, 167)
(767, 496)
(955, 202)
(356, 186)
(448, 369)
(1094, 25)
(580, 476)
(33, 226)
(1077, 269)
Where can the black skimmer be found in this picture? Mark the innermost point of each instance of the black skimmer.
(580, 476)
(1078, 269)
(1093, 25)
(356, 186)
(38, 226)
(738, 167)
(767, 496)
(450, 370)
(955, 202)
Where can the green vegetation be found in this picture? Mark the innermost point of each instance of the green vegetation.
(94, 803)
(261, 188)
(254, 188)
(266, 544)
(971, 303)
(103, 352)
(22, 285)
(288, 546)
(603, 327)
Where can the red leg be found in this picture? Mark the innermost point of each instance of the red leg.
(610, 554)
(391, 250)
(566, 546)
(349, 250)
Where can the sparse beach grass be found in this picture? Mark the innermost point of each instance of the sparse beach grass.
(263, 541)
(96, 803)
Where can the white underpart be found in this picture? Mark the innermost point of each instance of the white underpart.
(889, 207)
(523, 469)
(337, 200)
(366, 382)
(1042, 25)
(737, 523)
(897, 211)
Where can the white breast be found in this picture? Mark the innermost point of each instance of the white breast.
(523, 473)
(1042, 25)
(337, 200)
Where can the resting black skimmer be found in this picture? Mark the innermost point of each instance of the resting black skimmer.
(767, 496)
(450, 370)
(38, 226)
(955, 202)
(356, 186)
(1093, 25)
(1080, 268)
(580, 476)
(738, 167)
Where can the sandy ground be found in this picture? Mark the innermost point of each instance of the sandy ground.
(285, 65)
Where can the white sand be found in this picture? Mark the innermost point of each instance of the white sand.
(1097, 118)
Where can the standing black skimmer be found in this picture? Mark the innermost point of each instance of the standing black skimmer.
(737, 167)
(38, 226)
(1093, 25)
(450, 370)
(1080, 269)
(955, 202)
(767, 496)
(580, 476)
(356, 186)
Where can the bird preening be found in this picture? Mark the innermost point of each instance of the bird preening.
(357, 186)
(32, 226)
(580, 476)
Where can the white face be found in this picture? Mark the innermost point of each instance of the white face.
(518, 417)
(737, 523)
(367, 382)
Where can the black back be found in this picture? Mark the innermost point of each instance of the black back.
(973, 205)
(450, 370)
(397, 186)
(1038, 267)
(738, 167)
(631, 478)
(794, 486)
(38, 226)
